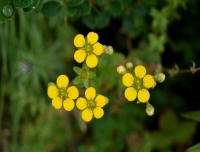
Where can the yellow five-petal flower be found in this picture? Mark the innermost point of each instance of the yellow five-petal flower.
(91, 105)
(88, 48)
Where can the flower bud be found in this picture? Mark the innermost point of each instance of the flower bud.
(129, 65)
(110, 50)
(149, 109)
(121, 69)
(154, 85)
(160, 77)
(107, 100)
(105, 49)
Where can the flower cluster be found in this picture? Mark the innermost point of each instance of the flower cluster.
(138, 82)
(88, 48)
(62, 94)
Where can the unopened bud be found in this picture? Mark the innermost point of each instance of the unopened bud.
(51, 84)
(154, 85)
(121, 69)
(105, 49)
(110, 50)
(129, 65)
(149, 109)
(107, 100)
(160, 77)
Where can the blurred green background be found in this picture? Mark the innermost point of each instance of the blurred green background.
(36, 45)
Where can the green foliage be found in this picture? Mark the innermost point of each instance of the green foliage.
(35, 50)
(51, 8)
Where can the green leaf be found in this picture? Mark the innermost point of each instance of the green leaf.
(103, 19)
(194, 115)
(77, 70)
(84, 66)
(77, 80)
(22, 3)
(90, 20)
(92, 74)
(33, 6)
(86, 83)
(51, 8)
(166, 117)
(73, 3)
(70, 11)
(115, 7)
(85, 7)
(39, 6)
(6, 10)
(195, 148)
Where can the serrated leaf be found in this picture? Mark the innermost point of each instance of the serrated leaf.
(22, 3)
(194, 115)
(77, 80)
(92, 74)
(195, 148)
(3, 4)
(77, 70)
(86, 83)
(51, 8)
(73, 3)
(33, 6)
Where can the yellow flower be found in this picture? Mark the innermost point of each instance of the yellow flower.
(138, 84)
(61, 94)
(91, 105)
(88, 48)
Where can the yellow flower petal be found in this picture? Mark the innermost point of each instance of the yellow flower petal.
(98, 112)
(57, 103)
(91, 61)
(140, 71)
(130, 94)
(72, 92)
(68, 104)
(98, 48)
(87, 115)
(79, 40)
(92, 37)
(148, 81)
(128, 79)
(143, 95)
(80, 55)
(52, 92)
(62, 81)
(81, 103)
(90, 93)
(100, 101)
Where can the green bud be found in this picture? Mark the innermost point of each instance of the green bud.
(149, 109)
(51, 84)
(160, 77)
(129, 65)
(121, 69)
(110, 50)
(107, 100)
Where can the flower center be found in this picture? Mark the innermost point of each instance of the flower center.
(62, 93)
(91, 104)
(138, 84)
(88, 48)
